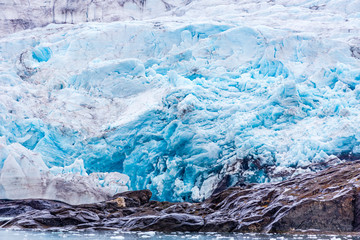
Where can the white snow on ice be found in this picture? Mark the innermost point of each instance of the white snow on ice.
(176, 98)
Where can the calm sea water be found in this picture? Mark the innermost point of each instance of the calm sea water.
(38, 235)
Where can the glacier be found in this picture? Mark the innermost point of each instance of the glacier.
(24, 175)
(204, 95)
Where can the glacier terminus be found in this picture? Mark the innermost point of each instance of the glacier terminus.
(180, 97)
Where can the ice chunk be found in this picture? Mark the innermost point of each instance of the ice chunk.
(24, 175)
(121, 78)
(41, 54)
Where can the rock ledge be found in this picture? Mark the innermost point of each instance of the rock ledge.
(327, 201)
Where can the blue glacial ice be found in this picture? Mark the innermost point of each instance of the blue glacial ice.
(24, 175)
(178, 107)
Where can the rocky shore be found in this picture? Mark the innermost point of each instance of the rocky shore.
(325, 201)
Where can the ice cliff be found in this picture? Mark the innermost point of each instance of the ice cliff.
(205, 95)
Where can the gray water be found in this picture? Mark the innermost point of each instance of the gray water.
(40, 235)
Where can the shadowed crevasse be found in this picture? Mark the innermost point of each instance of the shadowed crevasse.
(327, 201)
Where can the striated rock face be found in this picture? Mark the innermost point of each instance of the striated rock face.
(325, 201)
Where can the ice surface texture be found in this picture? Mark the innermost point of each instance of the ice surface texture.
(18, 15)
(24, 175)
(183, 104)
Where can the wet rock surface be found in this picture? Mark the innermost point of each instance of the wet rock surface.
(324, 201)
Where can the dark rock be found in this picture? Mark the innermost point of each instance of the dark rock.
(27, 223)
(135, 198)
(355, 52)
(16, 207)
(325, 201)
(336, 215)
(223, 185)
(48, 219)
(165, 223)
(214, 225)
(8, 211)
(129, 211)
(357, 210)
(88, 216)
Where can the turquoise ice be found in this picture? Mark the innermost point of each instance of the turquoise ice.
(181, 107)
